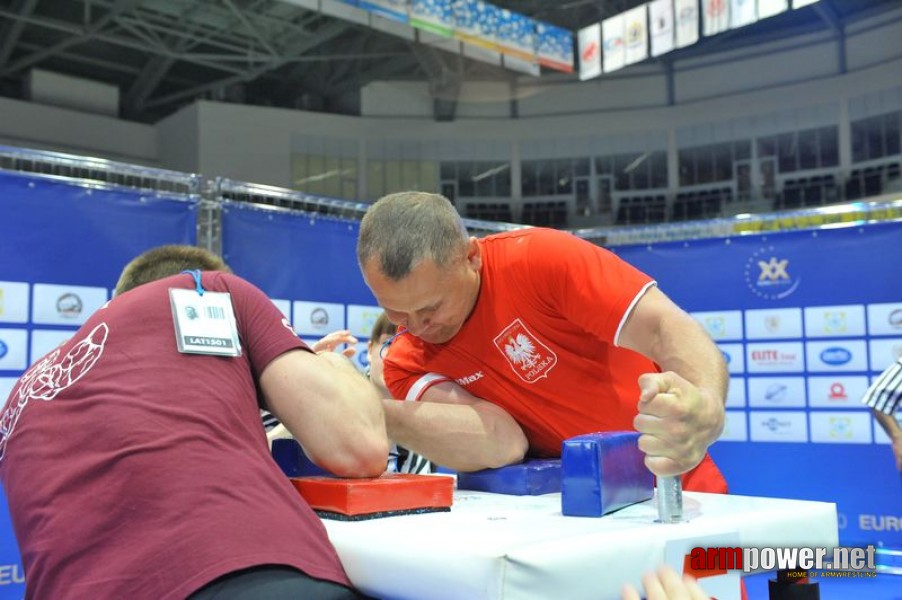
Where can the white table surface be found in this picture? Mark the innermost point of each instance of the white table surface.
(493, 546)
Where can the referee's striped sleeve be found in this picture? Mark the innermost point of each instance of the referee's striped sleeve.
(885, 395)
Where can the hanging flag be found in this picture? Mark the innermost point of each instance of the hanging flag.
(686, 22)
(742, 13)
(660, 26)
(554, 47)
(635, 33)
(432, 15)
(715, 17)
(395, 10)
(769, 8)
(589, 44)
(516, 35)
(612, 45)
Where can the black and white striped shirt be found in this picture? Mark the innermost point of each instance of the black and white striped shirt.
(885, 395)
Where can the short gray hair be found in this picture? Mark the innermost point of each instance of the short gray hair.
(405, 228)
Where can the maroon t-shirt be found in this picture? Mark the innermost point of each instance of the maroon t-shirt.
(134, 471)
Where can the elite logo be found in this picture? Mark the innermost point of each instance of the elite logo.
(527, 355)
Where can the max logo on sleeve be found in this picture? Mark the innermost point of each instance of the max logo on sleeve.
(527, 355)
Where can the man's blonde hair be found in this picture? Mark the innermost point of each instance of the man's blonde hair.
(164, 261)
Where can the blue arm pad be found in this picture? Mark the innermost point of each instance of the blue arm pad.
(603, 472)
(530, 478)
(292, 460)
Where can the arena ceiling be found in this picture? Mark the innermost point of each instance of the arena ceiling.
(164, 54)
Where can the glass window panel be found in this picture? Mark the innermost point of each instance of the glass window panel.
(829, 145)
(580, 166)
(787, 159)
(604, 165)
(723, 162)
(893, 134)
(876, 147)
(658, 169)
(704, 164)
(767, 146)
(808, 149)
(528, 180)
(564, 175)
(687, 167)
(503, 183)
(484, 179)
(742, 149)
(859, 142)
(465, 186)
(622, 179)
(546, 177)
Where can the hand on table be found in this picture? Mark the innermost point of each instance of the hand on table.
(677, 420)
(665, 584)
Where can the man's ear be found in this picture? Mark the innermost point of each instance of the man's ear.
(474, 253)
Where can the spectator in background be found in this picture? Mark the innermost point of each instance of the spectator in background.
(384, 331)
(136, 470)
(884, 398)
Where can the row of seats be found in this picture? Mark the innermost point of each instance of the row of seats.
(704, 204)
(810, 191)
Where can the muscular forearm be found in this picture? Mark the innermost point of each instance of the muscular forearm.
(463, 437)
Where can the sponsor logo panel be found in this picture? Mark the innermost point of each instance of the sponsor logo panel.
(736, 393)
(837, 355)
(780, 392)
(361, 319)
(884, 352)
(885, 319)
(734, 355)
(726, 325)
(841, 427)
(834, 321)
(13, 344)
(775, 357)
(317, 318)
(769, 274)
(735, 428)
(65, 304)
(778, 426)
(773, 323)
(13, 302)
(44, 341)
(836, 391)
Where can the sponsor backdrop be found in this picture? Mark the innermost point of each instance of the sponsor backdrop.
(806, 320)
(62, 248)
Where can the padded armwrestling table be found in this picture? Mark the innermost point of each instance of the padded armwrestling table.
(493, 546)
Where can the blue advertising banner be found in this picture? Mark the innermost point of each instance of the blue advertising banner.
(807, 320)
(62, 247)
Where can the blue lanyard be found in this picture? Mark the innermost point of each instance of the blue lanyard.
(197, 284)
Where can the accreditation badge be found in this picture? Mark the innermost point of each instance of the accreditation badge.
(204, 324)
